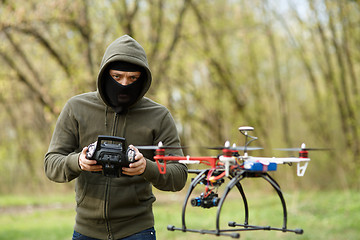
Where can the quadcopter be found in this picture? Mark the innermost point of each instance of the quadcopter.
(230, 164)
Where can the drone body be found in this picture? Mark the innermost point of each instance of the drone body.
(235, 167)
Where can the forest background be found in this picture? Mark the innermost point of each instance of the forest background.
(289, 68)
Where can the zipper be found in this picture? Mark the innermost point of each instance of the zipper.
(108, 180)
(106, 208)
(107, 187)
(124, 125)
(114, 128)
(116, 122)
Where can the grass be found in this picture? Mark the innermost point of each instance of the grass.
(54, 224)
(323, 215)
(36, 217)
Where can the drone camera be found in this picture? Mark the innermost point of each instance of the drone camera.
(209, 201)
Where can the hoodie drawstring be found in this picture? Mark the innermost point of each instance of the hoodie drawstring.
(116, 119)
(106, 112)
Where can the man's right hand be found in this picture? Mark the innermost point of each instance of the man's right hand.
(86, 164)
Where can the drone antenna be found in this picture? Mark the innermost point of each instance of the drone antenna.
(244, 130)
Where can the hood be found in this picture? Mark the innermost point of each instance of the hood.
(126, 49)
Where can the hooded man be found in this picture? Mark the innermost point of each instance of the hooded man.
(115, 208)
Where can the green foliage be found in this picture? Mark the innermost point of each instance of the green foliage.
(290, 71)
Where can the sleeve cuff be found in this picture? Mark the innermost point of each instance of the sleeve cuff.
(151, 170)
(73, 163)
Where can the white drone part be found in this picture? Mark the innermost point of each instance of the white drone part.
(160, 144)
(227, 161)
(245, 129)
(188, 161)
(301, 169)
(227, 144)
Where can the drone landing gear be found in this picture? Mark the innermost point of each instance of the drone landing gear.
(268, 228)
(202, 174)
(275, 185)
(234, 181)
(212, 232)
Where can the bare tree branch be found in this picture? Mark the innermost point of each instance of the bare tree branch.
(37, 90)
(46, 44)
(156, 24)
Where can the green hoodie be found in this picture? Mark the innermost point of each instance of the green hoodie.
(113, 208)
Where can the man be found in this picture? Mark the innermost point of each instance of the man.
(115, 208)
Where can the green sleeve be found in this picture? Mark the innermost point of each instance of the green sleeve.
(176, 173)
(61, 160)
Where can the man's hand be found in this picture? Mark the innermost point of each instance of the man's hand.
(137, 167)
(86, 164)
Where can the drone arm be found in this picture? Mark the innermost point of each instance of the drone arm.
(188, 161)
(300, 168)
(299, 160)
(210, 161)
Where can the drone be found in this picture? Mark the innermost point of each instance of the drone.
(235, 167)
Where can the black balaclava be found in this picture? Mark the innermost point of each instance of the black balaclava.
(121, 97)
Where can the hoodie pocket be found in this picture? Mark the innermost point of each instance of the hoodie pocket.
(123, 192)
(144, 192)
(90, 195)
(129, 197)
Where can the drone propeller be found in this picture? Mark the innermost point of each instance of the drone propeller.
(237, 148)
(159, 146)
(302, 148)
(242, 148)
(234, 147)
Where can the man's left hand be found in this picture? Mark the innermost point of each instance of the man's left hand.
(137, 167)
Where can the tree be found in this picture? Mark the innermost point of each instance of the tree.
(290, 71)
